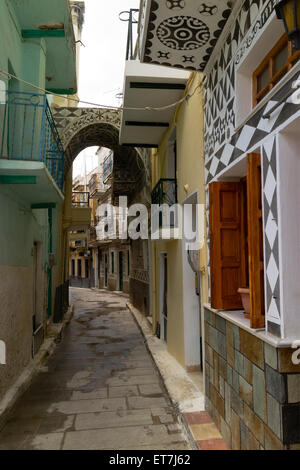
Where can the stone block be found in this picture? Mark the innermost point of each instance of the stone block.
(293, 383)
(125, 391)
(239, 362)
(221, 386)
(274, 415)
(235, 431)
(221, 344)
(271, 441)
(216, 370)
(291, 423)
(271, 356)
(226, 432)
(254, 423)
(221, 324)
(252, 348)
(253, 443)
(213, 338)
(235, 381)
(135, 403)
(247, 374)
(259, 393)
(217, 401)
(229, 374)
(276, 384)
(113, 419)
(208, 316)
(222, 368)
(246, 391)
(285, 362)
(237, 404)
(151, 389)
(230, 356)
(227, 404)
(209, 354)
(244, 436)
(236, 337)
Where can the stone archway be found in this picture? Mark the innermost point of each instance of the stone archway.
(84, 127)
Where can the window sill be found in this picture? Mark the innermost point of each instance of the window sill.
(237, 318)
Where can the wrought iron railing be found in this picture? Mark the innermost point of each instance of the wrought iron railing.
(131, 17)
(28, 132)
(96, 185)
(80, 199)
(165, 192)
(108, 166)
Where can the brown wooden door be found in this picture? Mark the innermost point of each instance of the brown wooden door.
(255, 241)
(227, 244)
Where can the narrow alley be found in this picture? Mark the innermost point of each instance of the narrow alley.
(99, 390)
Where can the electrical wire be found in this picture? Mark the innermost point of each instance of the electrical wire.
(116, 108)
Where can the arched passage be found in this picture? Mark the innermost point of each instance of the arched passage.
(80, 128)
(85, 127)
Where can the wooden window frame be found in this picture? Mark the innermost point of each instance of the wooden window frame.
(268, 61)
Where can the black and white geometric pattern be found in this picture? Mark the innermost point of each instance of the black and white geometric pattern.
(270, 222)
(218, 99)
(181, 25)
(252, 133)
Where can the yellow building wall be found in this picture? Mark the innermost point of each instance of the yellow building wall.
(190, 171)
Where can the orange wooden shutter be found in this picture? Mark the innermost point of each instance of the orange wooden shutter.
(255, 241)
(227, 244)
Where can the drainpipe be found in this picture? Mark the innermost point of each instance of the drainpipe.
(50, 220)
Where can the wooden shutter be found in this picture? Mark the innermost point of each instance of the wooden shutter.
(227, 244)
(255, 241)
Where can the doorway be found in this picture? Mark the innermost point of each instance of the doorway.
(121, 270)
(105, 269)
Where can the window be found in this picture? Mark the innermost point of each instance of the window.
(73, 268)
(277, 63)
(236, 243)
(112, 262)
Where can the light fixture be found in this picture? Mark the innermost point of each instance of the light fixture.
(289, 12)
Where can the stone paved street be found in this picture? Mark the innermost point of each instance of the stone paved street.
(99, 390)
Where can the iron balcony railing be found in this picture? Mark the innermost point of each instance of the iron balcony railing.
(28, 132)
(131, 17)
(108, 166)
(165, 192)
(96, 185)
(80, 199)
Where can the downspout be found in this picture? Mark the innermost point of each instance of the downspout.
(50, 221)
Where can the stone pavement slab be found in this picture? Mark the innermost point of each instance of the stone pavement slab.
(99, 390)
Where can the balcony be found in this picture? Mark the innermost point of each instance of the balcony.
(31, 153)
(164, 220)
(51, 22)
(80, 211)
(147, 85)
(108, 164)
(181, 34)
(96, 186)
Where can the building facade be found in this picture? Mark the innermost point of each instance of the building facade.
(31, 172)
(251, 116)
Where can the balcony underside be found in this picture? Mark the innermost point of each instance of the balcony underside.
(149, 86)
(52, 22)
(181, 34)
(28, 182)
(80, 218)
